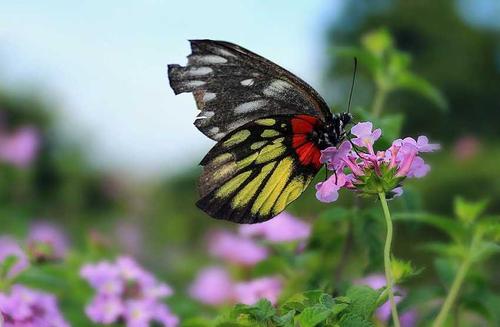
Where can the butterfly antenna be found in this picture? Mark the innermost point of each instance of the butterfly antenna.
(352, 84)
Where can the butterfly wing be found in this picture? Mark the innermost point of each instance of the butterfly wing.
(233, 86)
(254, 172)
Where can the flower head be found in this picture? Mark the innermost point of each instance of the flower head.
(250, 292)
(365, 137)
(19, 148)
(212, 286)
(236, 249)
(328, 191)
(282, 228)
(27, 307)
(125, 291)
(335, 157)
(47, 242)
(370, 173)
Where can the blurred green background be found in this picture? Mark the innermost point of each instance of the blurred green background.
(455, 45)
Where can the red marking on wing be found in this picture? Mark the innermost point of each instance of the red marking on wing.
(298, 140)
(303, 124)
(306, 150)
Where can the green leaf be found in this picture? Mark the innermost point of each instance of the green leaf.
(286, 320)
(301, 300)
(450, 250)
(484, 250)
(262, 311)
(453, 228)
(414, 83)
(312, 316)
(354, 320)
(363, 300)
(378, 41)
(467, 212)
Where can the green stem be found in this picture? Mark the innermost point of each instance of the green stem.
(453, 293)
(378, 101)
(387, 259)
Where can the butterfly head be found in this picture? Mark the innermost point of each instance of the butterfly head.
(333, 132)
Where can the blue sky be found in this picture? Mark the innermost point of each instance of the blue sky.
(103, 63)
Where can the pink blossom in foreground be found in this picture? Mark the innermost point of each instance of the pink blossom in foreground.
(407, 319)
(250, 292)
(126, 292)
(282, 228)
(235, 248)
(212, 286)
(368, 172)
(47, 242)
(10, 248)
(25, 307)
(19, 148)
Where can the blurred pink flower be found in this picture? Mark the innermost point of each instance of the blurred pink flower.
(466, 148)
(25, 307)
(19, 148)
(212, 286)
(236, 249)
(9, 247)
(47, 241)
(129, 236)
(282, 228)
(407, 319)
(250, 292)
(126, 292)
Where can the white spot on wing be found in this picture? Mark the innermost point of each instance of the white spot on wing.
(214, 130)
(209, 114)
(249, 106)
(225, 53)
(194, 83)
(208, 96)
(219, 136)
(236, 124)
(200, 71)
(276, 87)
(208, 59)
(247, 82)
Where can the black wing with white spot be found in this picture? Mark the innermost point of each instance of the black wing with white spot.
(233, 86)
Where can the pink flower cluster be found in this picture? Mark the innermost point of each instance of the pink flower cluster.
(408, 318)
(30, 308)
(214, 285)
(126, 292)
(357, 166)
(23, 306)
(20, 147)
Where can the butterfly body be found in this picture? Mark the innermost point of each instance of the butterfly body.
(269, 124)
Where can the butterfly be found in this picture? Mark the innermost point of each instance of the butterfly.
(269, 124)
